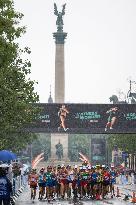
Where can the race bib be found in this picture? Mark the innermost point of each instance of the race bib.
(33, 179)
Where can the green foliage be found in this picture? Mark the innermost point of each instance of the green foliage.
(78, 143)
(125, 142)
(42, 144)
(16, 89)
(16, 141)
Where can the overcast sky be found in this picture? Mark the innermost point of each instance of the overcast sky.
(100, 50)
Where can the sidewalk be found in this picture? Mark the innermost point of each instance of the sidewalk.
(130, 187)
(127, 188)
(126, 191)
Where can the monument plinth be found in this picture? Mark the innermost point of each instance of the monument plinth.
(59, 37)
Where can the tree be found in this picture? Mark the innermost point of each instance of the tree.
(78, 143)
(17, 96)
(42, 144)
(125, 142)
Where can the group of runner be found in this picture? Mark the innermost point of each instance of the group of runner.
(78, 182)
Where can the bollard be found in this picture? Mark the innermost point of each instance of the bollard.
(118, 194)
(133, 198)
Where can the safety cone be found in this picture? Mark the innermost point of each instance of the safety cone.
(133, 198)
(118, 194)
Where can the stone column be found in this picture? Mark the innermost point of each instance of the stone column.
(59, 92)
(59, 74)
(59, 67)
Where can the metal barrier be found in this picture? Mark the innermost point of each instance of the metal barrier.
(18, 185)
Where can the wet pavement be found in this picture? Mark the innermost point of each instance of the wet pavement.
(24, 199)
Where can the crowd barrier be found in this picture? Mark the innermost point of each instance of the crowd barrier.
(18, 185)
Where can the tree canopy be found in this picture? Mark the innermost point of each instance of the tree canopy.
(125, 142)
(17, 95)
(78, 143)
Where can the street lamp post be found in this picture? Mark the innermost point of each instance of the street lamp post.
(107, 152)
(31, 153)
(129, 94)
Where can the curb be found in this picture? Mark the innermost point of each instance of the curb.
(127, 197)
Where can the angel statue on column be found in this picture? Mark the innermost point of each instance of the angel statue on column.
(59, 21)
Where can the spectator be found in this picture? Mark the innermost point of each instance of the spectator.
(10, 173)
(135, 177)
(5, 188)
(16, 169)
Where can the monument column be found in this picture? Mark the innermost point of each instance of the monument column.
(59, 37)
(59, 67)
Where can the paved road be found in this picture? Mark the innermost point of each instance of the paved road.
(24, 199)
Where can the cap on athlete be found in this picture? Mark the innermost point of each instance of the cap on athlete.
(42, 169)
(75, 166)
(49, 167)
(84, 167)
(68, 166)
(33, 170)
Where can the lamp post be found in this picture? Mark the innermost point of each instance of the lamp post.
(135, 161)
(115, 155)
(31, 153)
(129, 94)
(107, 151)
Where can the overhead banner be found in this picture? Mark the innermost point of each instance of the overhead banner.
(85, 118)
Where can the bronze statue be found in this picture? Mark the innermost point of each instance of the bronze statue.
(59, 150)
(59, 21)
